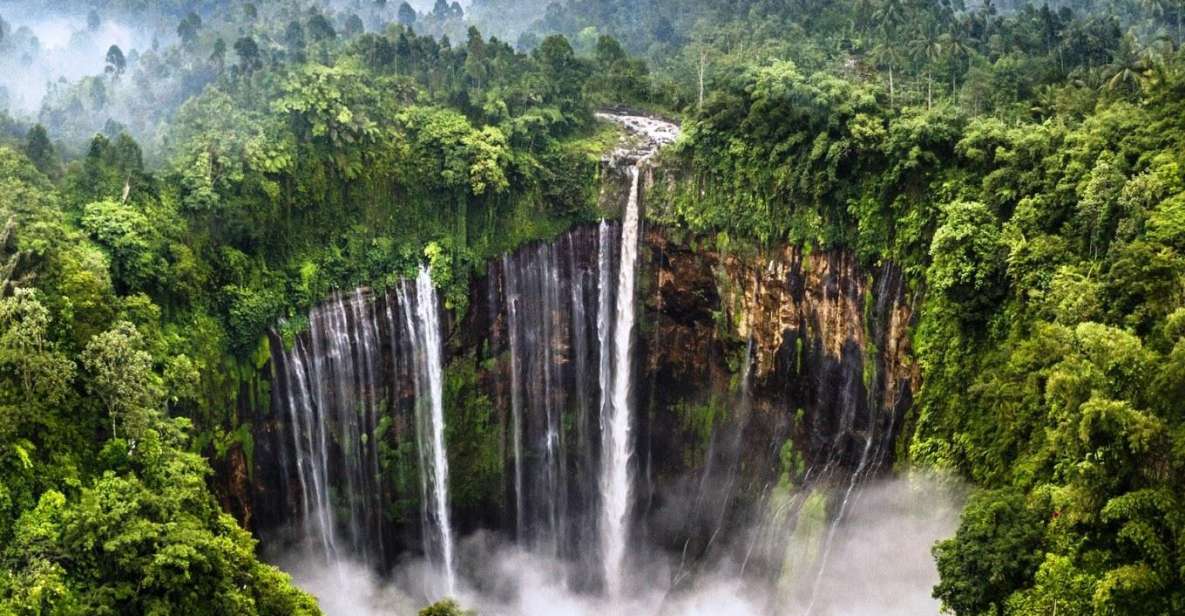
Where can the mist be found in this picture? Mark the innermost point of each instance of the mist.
(43, 49)
(878, 563)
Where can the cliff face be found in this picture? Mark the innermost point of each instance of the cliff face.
(752, 372)
(766, 369)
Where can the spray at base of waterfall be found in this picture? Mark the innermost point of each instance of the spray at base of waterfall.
(880, 564)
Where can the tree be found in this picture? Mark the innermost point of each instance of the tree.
(968, 258)
(188, 29)
(154, 541)
(137, 262)
(218, 54)
(1128, 70)
(440, 10)
(664, 32)
(294, 41)
(406, 15)
(888, 54)
(116, 63)
(93, 21)
(319, 28)
(927, 49)
(996, 550)
(564, 71)
(26, 350)
(446, 607)
(40, 151)
(475, 68)
(11, 258)
(354, 26)
(121, 377)
(378, 51)
(957, 51)
(889, 16)
(248, 52)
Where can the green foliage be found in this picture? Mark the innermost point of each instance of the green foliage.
(40, 151)
(103, 509)
(967, 258)
(995, 551)
(136, 250)
(474, 440)
(446, 607)
(145, 537)
(122, 379)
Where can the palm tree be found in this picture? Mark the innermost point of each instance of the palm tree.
(1157, 57)
(987, 13)
(957, 51)
(865, 14)
(1045, 102)
(887, 54)
(926, 48)
(888, 16)
(1129, 69)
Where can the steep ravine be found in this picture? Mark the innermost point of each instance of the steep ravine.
(755, 375)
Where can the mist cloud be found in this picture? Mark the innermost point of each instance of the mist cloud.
(43, 48)
(879, 564)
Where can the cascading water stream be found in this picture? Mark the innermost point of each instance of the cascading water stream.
(616, 416)
(424, 334)
(335, 385)
(516, 406)
(309, 448)
(874, 441)
(541, 308)
(615, 488)
(330, 400)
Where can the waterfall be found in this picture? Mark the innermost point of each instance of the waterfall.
(540, 319)
(368, 376)
(424, 335)
(516, 408)
(545, 301)
(876, 441)
(331, 402)
(548, 352)
(617, 448)
(308, 443)
(335, 386)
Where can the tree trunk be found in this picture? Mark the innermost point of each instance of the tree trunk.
(703, 57)
(892, 98)
(929, 90)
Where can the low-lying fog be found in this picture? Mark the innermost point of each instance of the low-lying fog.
(878, 563)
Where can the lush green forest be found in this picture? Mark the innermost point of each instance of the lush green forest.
(1023, 163)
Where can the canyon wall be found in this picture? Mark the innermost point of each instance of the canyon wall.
(755, 375)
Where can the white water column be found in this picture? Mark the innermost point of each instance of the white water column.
(424, 328)
(616, 337)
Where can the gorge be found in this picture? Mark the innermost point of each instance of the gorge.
(622, 399)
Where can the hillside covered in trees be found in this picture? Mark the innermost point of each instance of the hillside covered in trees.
(180, 179)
